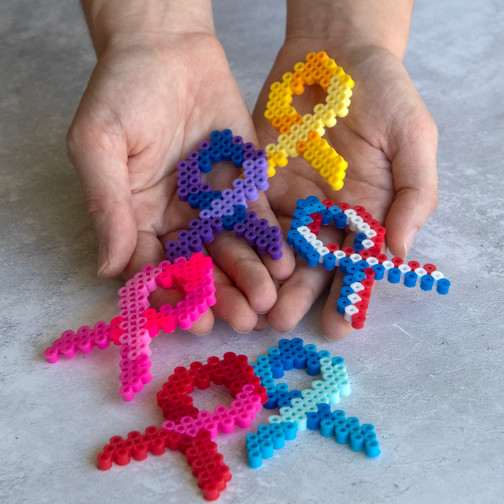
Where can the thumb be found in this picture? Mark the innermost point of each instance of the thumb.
(101, 163)
(414, 170)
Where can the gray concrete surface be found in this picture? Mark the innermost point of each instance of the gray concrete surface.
(426, 370)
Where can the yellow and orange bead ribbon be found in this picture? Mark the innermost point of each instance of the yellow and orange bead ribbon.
(302, 135)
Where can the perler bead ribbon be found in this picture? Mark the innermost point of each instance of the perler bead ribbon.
(302, 135)
(191, 431)
(363, 262)
(224, 210)
(137, 323)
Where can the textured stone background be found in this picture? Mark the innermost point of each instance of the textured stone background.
(426, 370)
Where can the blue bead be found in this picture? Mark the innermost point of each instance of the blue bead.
(313, 258)
(443, 286)
(348, 280)
(267, 448)
(329, 262)
(297, 343)
(341, 434)
(290, 431)
(359, 238)
(339, 415)
(327, 427)
(346, 291)
(345, 262)
(343, 302)
(372, 448)
(194, 200)
(340, 220)
(327, 217)
(295, 394)
(356, 441)
(283, 401)
(288, 362)
(312, 420)
(282, 388)
(301, 203)
(313, 367)
(324, 408)
(278, 440)
(426, 282)
(312, 200)
(394, 275)
(255, 458)
(367, 428)
(291, 235)
(352, 422)
(300, 360)
(351, 269)
(379, 270)
(362, 265)
(410, 279)
(278, 370)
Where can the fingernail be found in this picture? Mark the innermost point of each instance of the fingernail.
(103, 262)
(408, 242)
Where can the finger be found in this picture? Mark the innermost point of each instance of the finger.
(232, 305)
(100, 159)
(262, 323)
(296, 296)
(333, 324)
(244, 268)
(415, 179)
(149, 250)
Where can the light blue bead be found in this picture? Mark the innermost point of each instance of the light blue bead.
(372, 448)
(255, 458)
(327, 427)
(356, 441)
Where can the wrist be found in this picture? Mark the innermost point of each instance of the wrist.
(150, 22)
(351, 23)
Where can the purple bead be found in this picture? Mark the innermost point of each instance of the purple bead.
(263, 224)
(262, 245)
(217, 225)
(250, 236)
(182, 193)
(261, 183)
(275, 251)
(240, 229)
(251, 216)
(195, 245)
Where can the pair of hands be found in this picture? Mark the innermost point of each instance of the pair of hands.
(146, 106)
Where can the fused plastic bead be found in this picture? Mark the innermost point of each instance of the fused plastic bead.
(227, 209)
(363, 263)
(137, 323)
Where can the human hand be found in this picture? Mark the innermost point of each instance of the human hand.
(152, 97)
(389, 141)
